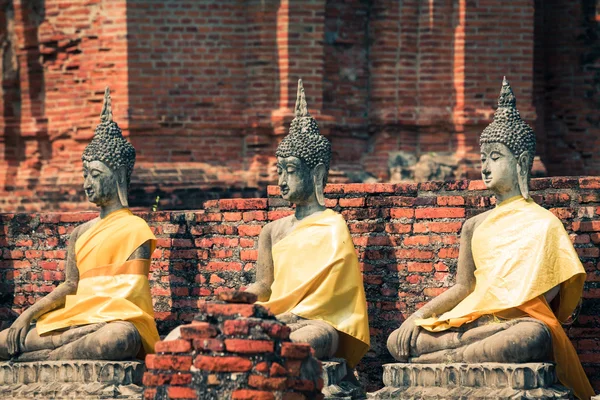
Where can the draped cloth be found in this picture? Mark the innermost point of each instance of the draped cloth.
(110, 288)
(317, 277)
(521, 251)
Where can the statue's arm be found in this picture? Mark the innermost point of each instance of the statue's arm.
(465, 277)
(264, 266)
(58, 296)
(142, 252)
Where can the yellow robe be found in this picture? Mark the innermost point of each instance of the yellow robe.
(110, 288)
(521, 251)
(317, 276)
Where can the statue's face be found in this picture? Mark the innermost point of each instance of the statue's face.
(295, 180)
(498, 167)
(100, 183)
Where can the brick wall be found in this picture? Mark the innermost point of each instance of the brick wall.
(568, 60)
(205, 89)
(406, 236)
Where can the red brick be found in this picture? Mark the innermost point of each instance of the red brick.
(277, 370)
(249, 230)
(223, 364)
(173, 346)
(440, 212)
(295, 350)
(246, 394)
(398, 213)
(199, 330)
(149, 394)
(419, 267)
(262, 367)
(177, 392)
(215, 345)
(352, 202)
(438, 227)
(450, 200)
(233, 310)
(276, 329)
(168, 362)
(236, 327)
(261, 382)
(248, 346)
(175, 378)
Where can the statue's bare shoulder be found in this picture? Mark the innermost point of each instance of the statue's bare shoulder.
(278, 229)
(472, 223)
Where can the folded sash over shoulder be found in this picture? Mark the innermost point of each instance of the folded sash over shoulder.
(131, 267)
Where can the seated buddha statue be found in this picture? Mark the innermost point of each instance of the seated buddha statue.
(518, 274)
(103, 310)
(307, 272)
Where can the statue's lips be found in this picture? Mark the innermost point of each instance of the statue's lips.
(89, 193)
(285, 191)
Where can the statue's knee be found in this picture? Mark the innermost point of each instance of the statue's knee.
(122, 341)
(322, 337)
(536, 339)
(392, 343)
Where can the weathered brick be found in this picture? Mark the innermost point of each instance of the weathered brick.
(222, 364)
(295, 350)
(261, 382)
(248, 346)
(247, 394)
(173, 346)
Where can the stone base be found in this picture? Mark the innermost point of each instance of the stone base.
(77, 379)
(334, 387)
(470, 381)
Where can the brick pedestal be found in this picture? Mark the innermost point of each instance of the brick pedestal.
(473, 381)
(233, 351)
(78, 379)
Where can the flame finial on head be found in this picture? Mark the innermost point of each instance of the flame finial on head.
(106, 114)
(301, 106)
(507, 98)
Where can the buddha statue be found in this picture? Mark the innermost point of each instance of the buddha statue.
(307, 272)
(103, 310)
(518, 274)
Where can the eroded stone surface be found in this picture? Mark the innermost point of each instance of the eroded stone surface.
(78, 379)
(334, 387)
(458, 381)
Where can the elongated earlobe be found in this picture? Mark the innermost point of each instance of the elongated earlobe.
(523, 174)
(122, 186)
(319, 183)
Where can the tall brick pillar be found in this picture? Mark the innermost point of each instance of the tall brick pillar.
(490, 42)
(300, 31)
(33, 130)
(411, 79)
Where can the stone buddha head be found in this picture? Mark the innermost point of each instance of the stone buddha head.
(107, 161)
(507, 147)
(303, 158)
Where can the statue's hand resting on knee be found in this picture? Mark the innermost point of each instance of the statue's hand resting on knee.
(15, 341)
(404, 338)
